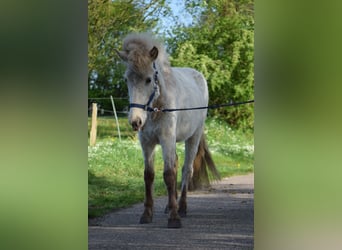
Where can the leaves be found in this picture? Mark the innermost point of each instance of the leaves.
(220, 45)
(108, 22)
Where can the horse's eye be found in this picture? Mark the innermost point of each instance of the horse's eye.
(148, 80)
(125, 79)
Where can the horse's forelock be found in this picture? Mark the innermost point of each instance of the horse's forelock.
(138, 47)
(138, 61)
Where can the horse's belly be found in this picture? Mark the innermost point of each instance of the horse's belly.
(186, 127)
(181, 136)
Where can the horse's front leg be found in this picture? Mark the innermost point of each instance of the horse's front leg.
(147, 215)
(170, 177)
(176, 168)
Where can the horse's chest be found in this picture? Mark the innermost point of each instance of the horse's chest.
(159, 128)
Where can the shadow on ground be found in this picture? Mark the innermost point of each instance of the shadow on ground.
(221, 217)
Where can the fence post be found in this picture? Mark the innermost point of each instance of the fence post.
(116, 117)
(93, 125)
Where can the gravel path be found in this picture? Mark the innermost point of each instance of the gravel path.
(221, 217)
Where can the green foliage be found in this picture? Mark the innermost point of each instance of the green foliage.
(115, 172)
(220, 44)
(108, 22)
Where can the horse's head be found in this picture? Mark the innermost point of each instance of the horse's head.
(141, 79)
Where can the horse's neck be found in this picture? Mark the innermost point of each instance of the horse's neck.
(162, 99)
(165, 88)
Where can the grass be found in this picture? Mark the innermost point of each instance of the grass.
(115, 169)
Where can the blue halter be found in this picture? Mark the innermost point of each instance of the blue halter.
(147, 107)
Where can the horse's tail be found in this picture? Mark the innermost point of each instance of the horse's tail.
(203, 161)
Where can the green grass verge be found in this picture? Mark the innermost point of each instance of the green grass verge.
(115, 169)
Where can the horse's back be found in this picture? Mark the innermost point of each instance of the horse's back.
(192, 85)
(191, 92)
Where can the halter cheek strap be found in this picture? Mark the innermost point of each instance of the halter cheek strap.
(147, 107)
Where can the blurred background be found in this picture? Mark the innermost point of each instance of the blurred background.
(55, 54)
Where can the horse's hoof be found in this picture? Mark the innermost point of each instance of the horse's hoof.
(145, 219)
(182, 209)
(174, 223)
(182, 213)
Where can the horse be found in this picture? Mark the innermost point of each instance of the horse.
(154, 87)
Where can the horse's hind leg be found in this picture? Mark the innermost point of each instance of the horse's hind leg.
(191, 148)
(146, 217)
(176, 168)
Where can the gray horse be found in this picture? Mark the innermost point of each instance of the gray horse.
(154, 88)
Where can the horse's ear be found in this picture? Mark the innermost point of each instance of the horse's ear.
(122, 55)
(154, 53)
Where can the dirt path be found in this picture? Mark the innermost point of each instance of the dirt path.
(219, 218)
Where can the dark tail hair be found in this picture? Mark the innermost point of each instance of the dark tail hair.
(202, 162)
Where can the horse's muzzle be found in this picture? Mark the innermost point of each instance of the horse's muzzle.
(136, 124)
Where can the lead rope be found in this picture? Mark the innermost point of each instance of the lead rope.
(147, 107)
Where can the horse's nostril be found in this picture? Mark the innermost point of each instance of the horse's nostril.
(136, 124)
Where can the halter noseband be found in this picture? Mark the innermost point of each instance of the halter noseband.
(147, 107)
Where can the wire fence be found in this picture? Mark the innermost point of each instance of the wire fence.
(102, 109)
(105, 107)
(103, 112)
(108, 98)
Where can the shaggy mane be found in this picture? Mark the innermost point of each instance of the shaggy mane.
(138, 46)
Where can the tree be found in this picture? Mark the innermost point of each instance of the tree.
(108, 22)
(220, 44)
